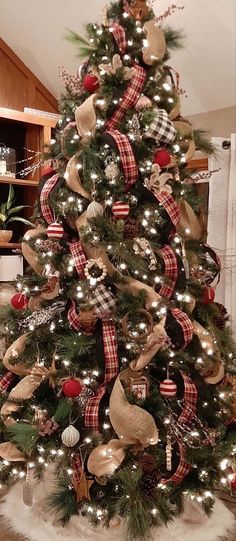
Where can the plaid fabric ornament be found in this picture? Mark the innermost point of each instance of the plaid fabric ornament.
(103, 301)
(128, 161)
(111, 371)
(130, 96)
(161, 128)
(5, 381)
(78, 256)
(44, 198)
(171, 271)
(119, 36)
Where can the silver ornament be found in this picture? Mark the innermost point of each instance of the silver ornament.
(70, 436)
(112, 171)
(94, 209)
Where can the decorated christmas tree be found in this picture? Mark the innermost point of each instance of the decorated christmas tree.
(119, 372)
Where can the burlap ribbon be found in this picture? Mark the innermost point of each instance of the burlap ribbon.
(155, 48)
(185, 130)
(216, 370)
(155, 341)
(13, 352)
(24, 390)
(189, 225)
(73, 180)
(134, 426)
(85, 117)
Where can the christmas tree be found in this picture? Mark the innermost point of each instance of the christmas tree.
(120, 368)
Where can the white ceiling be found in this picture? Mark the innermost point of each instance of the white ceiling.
(35, 30)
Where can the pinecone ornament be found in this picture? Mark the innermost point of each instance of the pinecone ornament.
(149, 483)
(131, 228)
(147, 463)
(222, 317)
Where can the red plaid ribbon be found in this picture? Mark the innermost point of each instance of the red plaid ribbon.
(130, 97)
(45, 208)
(185, 323)
(127, 157)
(119, 36)
(190, 400)
(171, 271)
(109, 344)
(5, 381)
(78, 256)
(170, 206)
(182, 470)
(217, 261)
(73, 317)
(111, 370)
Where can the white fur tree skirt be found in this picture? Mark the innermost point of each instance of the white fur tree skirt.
(37, 525)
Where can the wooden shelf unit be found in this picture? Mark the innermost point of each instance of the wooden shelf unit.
(23, 131)
(10, 245)
(18, 181)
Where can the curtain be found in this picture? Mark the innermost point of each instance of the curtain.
(222, 220)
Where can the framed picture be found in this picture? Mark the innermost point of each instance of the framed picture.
(140, 387)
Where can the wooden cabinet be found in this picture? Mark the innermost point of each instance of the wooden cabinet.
(19, 89)
(23, 131)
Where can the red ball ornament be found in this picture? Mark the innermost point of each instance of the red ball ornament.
(162, 157)
(91, 83)
(168, 388)
(72, 388)
(55, 231)
(120, 210)
(19, 301)
(208, 295)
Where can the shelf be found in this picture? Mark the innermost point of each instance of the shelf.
(10, 245)
(200, 164)
(18, 181)
(27, 118)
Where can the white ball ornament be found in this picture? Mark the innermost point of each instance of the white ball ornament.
(94, 209)
(70, 436)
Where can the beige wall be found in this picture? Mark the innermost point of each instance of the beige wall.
(219, 123)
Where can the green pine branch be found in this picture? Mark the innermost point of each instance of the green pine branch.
(24, 435)
(63, 501)
(84, 47)
(203, 143)
(174, 38)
